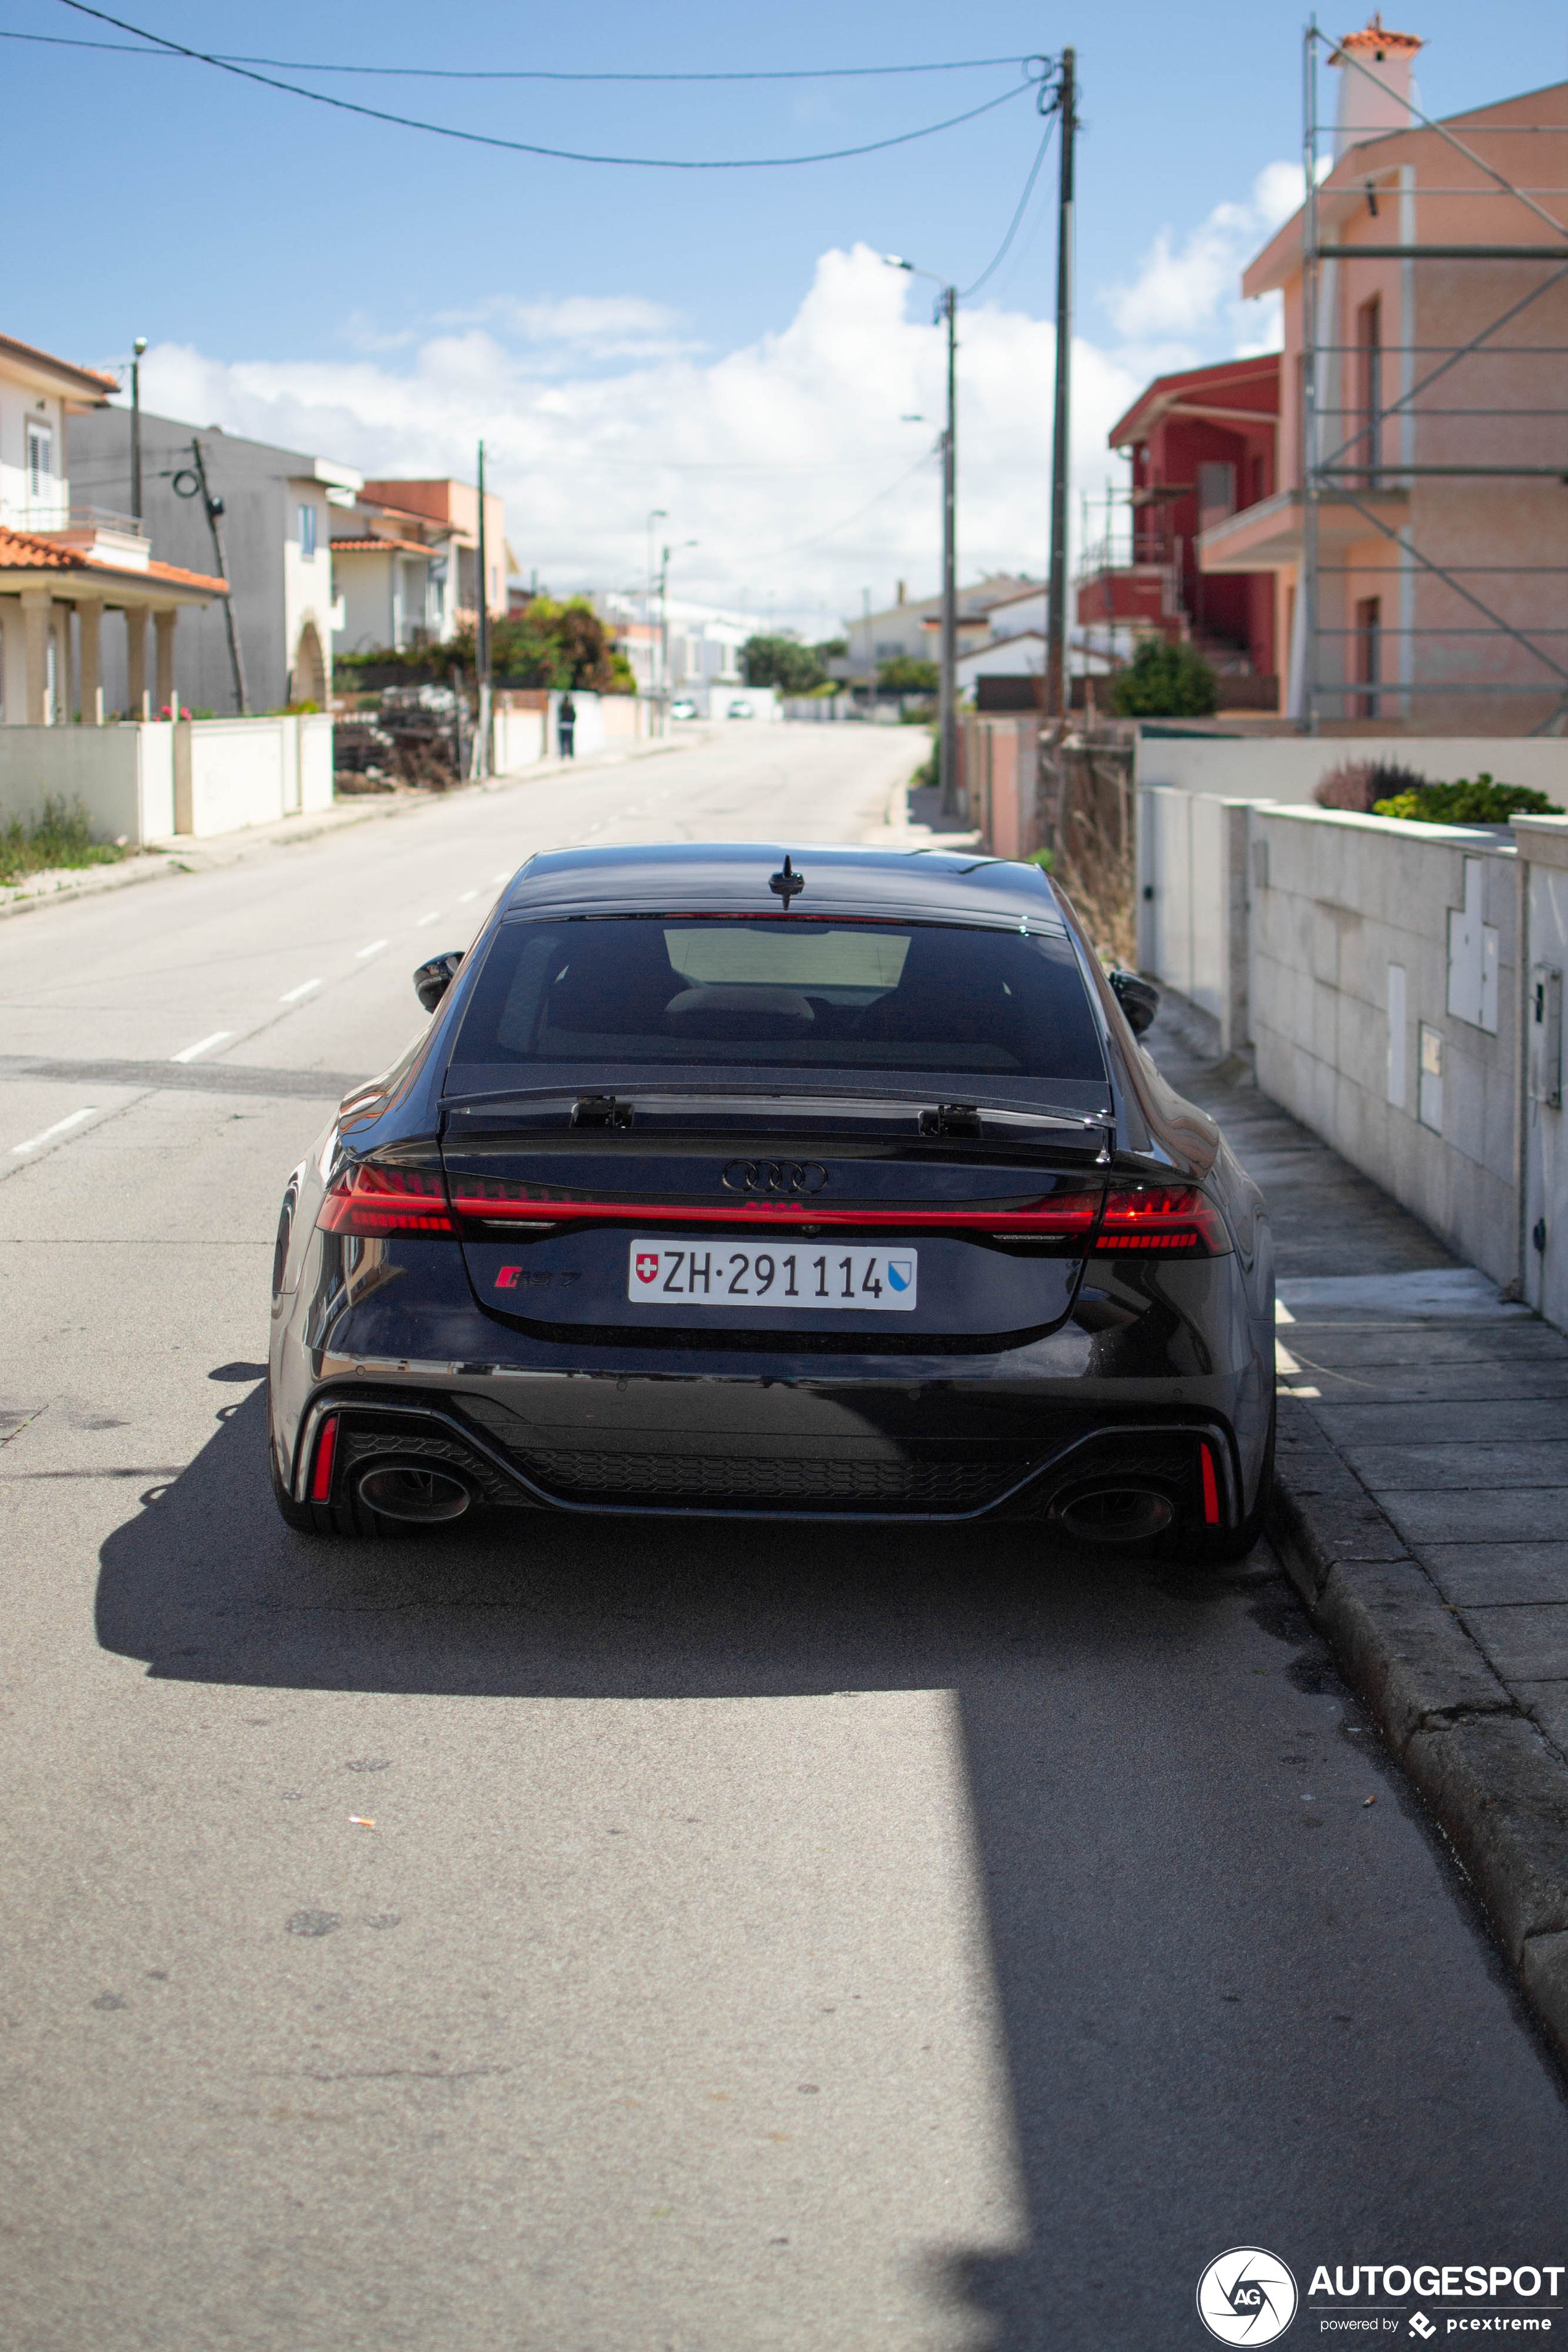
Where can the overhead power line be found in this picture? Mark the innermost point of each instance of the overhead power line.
(527, 147)
(771, 554)
(1001, 253)
(527, 73)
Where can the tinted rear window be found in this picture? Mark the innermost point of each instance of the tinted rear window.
(739, 994)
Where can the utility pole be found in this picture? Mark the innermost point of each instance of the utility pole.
(137, 348)
(947, 673)
(656, 514)
(947, 694)
(664, 625)
(483, 762)
(1056, 689)
(215, 519)
(870, 658)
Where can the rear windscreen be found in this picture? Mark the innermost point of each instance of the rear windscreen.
(744, 995)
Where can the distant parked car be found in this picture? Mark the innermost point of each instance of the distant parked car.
(740, 709)
(683, 707)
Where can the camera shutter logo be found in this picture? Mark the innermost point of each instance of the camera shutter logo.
(1247, 2296)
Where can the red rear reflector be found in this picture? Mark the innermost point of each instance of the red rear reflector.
(1176, 1219)
(326, 1449)
(1211, 1487)
(374, 1197)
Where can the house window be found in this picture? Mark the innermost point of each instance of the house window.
(1368, 654)
(1216, 492)
(1369, 386)
(40, 461)
(308, 533)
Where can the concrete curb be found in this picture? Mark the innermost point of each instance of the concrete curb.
(1496, 1786)
(181, 854)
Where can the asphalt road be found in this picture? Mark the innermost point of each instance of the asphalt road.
(766, 1937)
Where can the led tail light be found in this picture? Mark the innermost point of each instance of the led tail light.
(1163, 1220)
(1211, 1486)
(523, 1208)
(373, 1198)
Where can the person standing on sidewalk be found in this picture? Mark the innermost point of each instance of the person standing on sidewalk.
(566, 725)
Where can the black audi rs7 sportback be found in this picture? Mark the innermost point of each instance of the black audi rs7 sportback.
(724, 1181)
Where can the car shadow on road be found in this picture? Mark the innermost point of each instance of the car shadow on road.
(1193, 1996)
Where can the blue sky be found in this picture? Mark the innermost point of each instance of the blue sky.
(719, 344)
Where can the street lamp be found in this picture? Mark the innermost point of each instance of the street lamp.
(664, 612)
(656, 514)
(947, 696)
(137, 348)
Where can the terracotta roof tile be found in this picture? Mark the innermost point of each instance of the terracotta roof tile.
(88, 380)
(22, 550)
(367, 542)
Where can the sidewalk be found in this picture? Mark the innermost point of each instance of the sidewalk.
(1422, 1508)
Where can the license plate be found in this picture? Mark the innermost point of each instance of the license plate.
(863, 1281)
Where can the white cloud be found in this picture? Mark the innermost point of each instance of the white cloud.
(583, 326)
(780, 459)
(1184, 297)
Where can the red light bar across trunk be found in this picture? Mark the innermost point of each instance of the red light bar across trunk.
(1069, 1214)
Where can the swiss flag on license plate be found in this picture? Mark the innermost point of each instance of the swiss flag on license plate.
(648, 1265)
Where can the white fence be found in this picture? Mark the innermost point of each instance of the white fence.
(142, 781)
(1372, 969)
(1288, 767)
(527, 726)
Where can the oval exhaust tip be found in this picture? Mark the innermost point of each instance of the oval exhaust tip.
(1117, 1515)
(400, 1490)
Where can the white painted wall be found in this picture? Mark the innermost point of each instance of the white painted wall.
(1288, 767)
(1335, 901)
(519, 739)
(1544, 848)
(1301, 930)
(123, 776)
(1192, 902)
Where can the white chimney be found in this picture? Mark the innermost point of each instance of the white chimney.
(1375, 87)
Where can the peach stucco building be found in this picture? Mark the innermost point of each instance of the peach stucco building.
(1442, 470)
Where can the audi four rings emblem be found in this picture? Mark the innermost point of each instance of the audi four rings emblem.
(773, 1176)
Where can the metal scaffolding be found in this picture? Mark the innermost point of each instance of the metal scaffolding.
(1347, 468)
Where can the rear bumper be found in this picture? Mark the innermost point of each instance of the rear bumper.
(932, 1482)
(1153, 1364)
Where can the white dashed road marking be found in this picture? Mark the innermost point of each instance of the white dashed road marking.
(60, 1127)
(435, 918)
(374, 947)
(296, 993)
(203, 1046)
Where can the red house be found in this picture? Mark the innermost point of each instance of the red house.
(1202, 444)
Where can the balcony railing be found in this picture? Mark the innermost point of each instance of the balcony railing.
(46, 518)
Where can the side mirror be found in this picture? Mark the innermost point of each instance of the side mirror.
(1138, 999)
(432, 979)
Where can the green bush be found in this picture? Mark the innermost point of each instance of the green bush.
(903, 674)
(1484, 802)
(1165, 681)
(929, 772)
(62, 835)
(782, 663)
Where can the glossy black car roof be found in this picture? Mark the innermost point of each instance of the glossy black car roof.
(732, 877)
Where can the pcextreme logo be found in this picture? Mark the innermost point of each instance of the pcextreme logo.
(1246, 2297)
